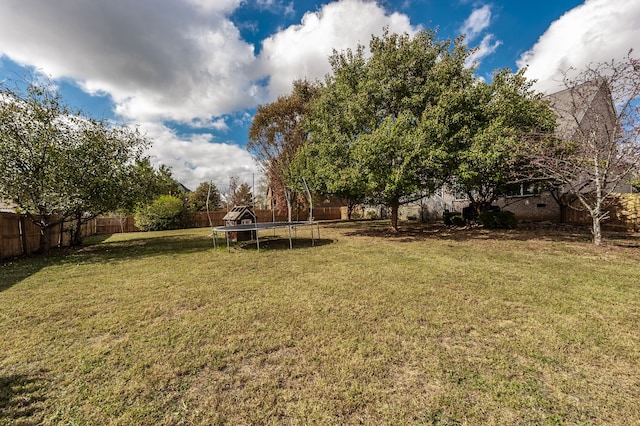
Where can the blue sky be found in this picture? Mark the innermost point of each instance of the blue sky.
(190, 73)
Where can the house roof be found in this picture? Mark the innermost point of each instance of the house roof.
(572, 104)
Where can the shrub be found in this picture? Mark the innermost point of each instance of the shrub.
(453, 219)
(498, 219)
(165, 212)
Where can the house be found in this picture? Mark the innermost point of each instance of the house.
(6, 207)
(587, 107)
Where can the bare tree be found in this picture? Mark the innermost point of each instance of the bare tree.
(277, 134)
(597, 146)
(238, 194)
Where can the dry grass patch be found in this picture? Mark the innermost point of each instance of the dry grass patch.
(429, 326)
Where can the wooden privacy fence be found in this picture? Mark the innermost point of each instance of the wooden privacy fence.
(624, 213)
(114, 225)
(19, 236)
(118, 224)
(201, 220)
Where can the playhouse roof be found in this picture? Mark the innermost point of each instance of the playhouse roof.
(238, 212)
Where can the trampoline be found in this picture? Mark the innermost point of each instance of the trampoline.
(257, 227)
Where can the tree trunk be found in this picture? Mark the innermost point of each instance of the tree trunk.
(45, 238)
(43, 222)
(394, 216)
(596, 230)
(596, 215)
(564, 210)
(76, 232)
(563, 202)
(287, 196)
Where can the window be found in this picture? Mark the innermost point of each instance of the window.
(524, 189)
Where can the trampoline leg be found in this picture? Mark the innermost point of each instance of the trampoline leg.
(290, 243)
(257, 240)
(227, 235)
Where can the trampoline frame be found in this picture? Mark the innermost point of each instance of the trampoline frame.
(257, 227)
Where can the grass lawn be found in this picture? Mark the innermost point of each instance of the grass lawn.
(428, 326)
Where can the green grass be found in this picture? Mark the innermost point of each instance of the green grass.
(428, 326)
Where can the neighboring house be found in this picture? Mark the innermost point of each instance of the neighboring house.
(524, 200)
(270, 200)
(183, 188)
(583, 106)
(6, 207)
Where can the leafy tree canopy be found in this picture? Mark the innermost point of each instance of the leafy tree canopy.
(57, 165)
(197, 199)
(163, 213)
(386, 124)
(505, 112)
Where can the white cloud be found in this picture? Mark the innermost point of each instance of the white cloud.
(164, 59)
(477, 22)
(216, 5)
(183, 61)
(198, 158)
(487, 46)
(597, 31)
(302, 51)
(289, 9)
(178, 60)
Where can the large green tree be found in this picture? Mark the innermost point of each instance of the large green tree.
(505, 113)
(58, 166)
(392, 119)
(334, 123)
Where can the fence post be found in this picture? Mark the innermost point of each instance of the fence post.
(636, 212)
(61, 235)
(1, 235)
(23, 235)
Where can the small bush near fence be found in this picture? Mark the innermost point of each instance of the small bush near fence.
(453, 219)
(164, 213)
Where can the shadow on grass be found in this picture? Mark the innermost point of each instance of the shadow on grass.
(21, 397)
(12, 271)
(139, 245)
(411, 232)
(278, 243)
(98, 249)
